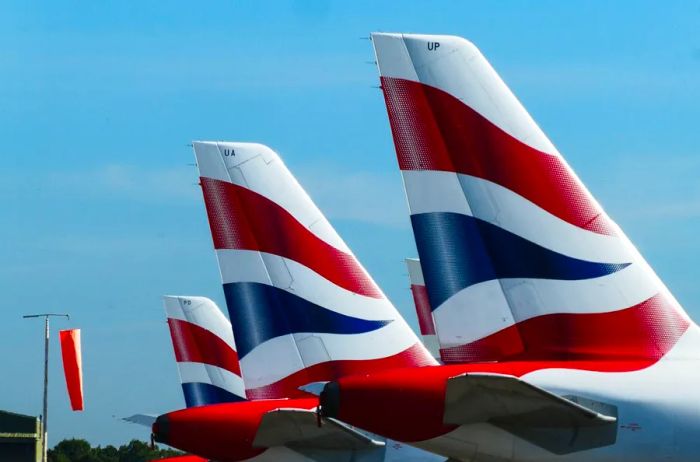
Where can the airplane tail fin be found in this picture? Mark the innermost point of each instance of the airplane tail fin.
(204, 350)
(424, 313)
(520, 261)
(302, 306)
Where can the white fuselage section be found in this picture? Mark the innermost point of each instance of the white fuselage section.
(658, 412)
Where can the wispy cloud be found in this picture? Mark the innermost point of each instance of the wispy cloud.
(584, 79)
(362, 196)
(679, 209)
(129, 182)
(654, 187)
(182, 71)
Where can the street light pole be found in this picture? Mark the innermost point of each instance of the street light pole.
(45, 414)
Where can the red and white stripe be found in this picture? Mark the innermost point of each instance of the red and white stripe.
(203, 343)
(267, 230)
(466, 145)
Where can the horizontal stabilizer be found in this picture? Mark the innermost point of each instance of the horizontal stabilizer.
(314, 388)
(557, 424)
(146, 420)
(300, 429)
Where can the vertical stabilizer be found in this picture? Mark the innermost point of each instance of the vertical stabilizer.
(302, 306)
(520, 261)
(423, 311)
(205, 352)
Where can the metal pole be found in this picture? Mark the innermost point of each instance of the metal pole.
(45, 413)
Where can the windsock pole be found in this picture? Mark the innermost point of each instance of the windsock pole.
(45, 414)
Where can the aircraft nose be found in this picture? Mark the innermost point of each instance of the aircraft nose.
(330, 400)
(161, 429)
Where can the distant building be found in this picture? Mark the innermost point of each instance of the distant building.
(20, 438)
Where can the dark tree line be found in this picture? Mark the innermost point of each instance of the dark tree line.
(77, 450)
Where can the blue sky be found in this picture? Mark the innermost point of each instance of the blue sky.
(99, 100)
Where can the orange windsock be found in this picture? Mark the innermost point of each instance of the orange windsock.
(72, 366)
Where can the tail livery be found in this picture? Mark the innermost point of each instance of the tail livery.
(520, 261)
(205, 352)
(303, 308)
(424, 313)
(570, 348)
